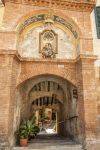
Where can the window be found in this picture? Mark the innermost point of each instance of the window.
(97, 18)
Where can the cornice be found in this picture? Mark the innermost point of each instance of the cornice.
(64, 61)
(79, 5)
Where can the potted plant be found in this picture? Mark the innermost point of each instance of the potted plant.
(27, 130)
(23, 135)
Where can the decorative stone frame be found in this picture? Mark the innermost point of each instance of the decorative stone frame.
(55, 41)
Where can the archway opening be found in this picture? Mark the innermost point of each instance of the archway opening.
(46, 118)
(46, 112)
(52, 101)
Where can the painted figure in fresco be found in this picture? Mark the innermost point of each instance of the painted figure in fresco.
(47, 51)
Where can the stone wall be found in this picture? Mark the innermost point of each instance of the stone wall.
(67, 114)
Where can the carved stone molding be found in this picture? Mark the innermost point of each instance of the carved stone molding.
(79, 5)
(41, 18)
(48, 41)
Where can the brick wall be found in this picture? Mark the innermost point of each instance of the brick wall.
(8, 76)
(5, 79)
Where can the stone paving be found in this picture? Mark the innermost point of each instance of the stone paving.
(50, 142)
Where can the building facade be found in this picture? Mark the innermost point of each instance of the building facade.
(49, 51)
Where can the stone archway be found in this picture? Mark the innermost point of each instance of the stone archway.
(52, 88)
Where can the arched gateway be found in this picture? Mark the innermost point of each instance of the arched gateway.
(47, 63)
(52, 92)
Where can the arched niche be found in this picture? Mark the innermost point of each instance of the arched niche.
(29, 41)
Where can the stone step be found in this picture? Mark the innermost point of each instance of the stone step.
(48, 146)
(51, 148)
(53, 142)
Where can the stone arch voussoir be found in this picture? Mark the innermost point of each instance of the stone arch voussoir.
(66, 76)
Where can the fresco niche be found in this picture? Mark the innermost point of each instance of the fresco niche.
(38, 43)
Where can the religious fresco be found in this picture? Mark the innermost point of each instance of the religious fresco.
(41, 43)
(38, 40)
(48, 43)
(28, 46)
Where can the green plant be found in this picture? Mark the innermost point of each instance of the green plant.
(23, 131)
(36, 129)
(27, 129)
(31, 128)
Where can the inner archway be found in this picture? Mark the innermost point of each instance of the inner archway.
(47, 97)
(45, 112)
